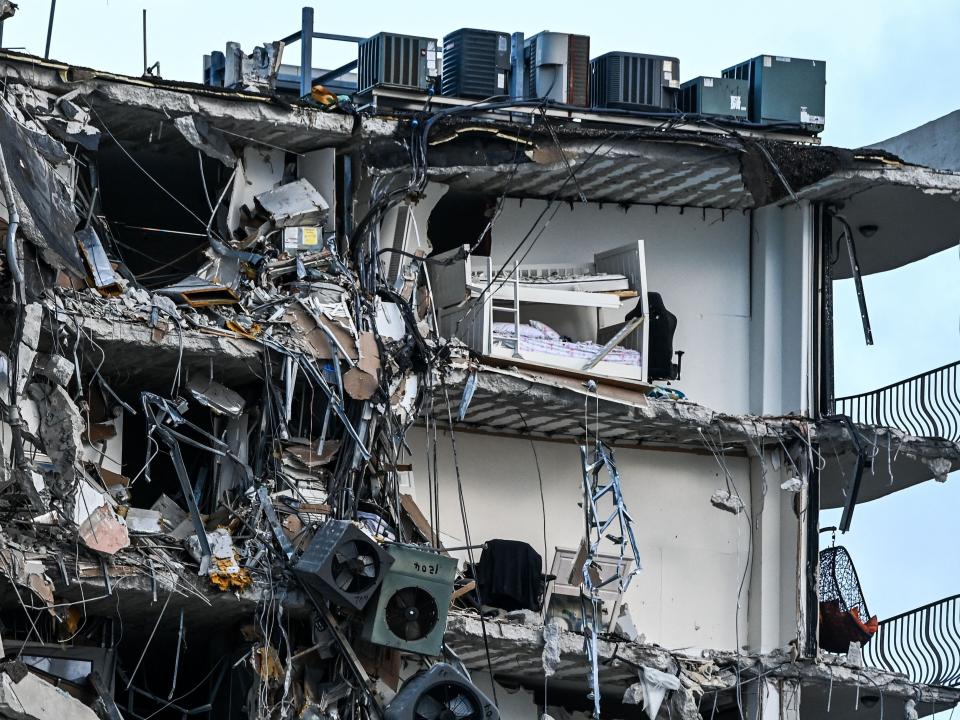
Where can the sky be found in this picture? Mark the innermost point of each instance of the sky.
(891, 65)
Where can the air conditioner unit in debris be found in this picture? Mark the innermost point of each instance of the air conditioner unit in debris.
(717, 97)
(784, 91)
(476, 63)
(440, 693)
(633, 81)
(343, 564)
(558, 67)
(411, 609)
(398, 61)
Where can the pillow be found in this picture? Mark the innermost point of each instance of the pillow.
(505, 328)
(545, 330)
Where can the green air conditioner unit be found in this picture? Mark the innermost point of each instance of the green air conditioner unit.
(784, 91)
(716, 97)
(411, 610)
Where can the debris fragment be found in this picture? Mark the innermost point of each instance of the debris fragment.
(724, 500)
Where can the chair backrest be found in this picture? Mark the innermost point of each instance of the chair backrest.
(663, 324)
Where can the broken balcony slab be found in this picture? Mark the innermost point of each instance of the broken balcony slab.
(900, 201)
(135, 351)
(514, 401)
(551, 406)
(129, 104)
(838, 671)
(517, 652)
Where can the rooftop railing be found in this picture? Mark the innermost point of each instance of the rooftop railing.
(923, 644)
(925, 405)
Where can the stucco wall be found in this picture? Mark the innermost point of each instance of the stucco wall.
(693, 554)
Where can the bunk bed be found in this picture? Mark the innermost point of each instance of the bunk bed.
(496, 316)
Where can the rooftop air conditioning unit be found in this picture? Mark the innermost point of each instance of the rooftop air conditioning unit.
(558, 67)
(411, 609)
(632, 81)
(476, 63)
(716, 97)
(398, 61)
(784, 91)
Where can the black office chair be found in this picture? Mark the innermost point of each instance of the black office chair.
(663, 324)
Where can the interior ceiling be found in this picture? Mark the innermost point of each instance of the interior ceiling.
(645, 173)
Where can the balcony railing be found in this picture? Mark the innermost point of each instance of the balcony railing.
(923, 644)
(926, 405)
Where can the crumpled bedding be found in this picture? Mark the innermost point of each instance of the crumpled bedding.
(561, 348)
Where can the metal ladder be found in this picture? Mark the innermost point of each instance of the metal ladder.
(515, 310)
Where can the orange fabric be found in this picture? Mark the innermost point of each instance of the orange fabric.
(870, 626)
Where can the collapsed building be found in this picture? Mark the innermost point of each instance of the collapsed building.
(318, 410)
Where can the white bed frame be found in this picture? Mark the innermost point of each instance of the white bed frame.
(465, 307)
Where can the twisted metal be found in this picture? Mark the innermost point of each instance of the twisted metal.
(925, 405)
(923, 644)
(602, 524)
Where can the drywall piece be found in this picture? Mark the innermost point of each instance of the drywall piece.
(319, 168)
(293, 204)
(143, 521)
(104, 531)
(220, 399)
(171, 514)
(361, 382)
(28, 697)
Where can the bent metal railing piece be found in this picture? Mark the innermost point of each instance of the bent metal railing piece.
(925, 405)
(923, 644)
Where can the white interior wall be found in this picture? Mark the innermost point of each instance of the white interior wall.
(779, 328)
(319, 168)
(693, 554)
(698, 262)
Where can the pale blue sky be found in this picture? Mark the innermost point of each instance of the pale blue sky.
(891, 65)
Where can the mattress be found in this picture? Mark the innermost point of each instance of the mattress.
(562, 348)
(606, 282)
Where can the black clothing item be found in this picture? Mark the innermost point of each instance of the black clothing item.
(510, 575)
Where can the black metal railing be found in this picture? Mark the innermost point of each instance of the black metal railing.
(926, 405)
(923, 644)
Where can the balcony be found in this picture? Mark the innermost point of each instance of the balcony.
(926, 405)
(923, 644)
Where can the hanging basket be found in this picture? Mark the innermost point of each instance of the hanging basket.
(844, 617)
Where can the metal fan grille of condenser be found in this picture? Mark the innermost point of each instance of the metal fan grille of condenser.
(447, 701)
(411, 613)
(355, 566)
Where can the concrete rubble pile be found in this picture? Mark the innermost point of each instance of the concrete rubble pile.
(268, 393)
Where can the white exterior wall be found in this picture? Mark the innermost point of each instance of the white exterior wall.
(700, 265)
(693, 554)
